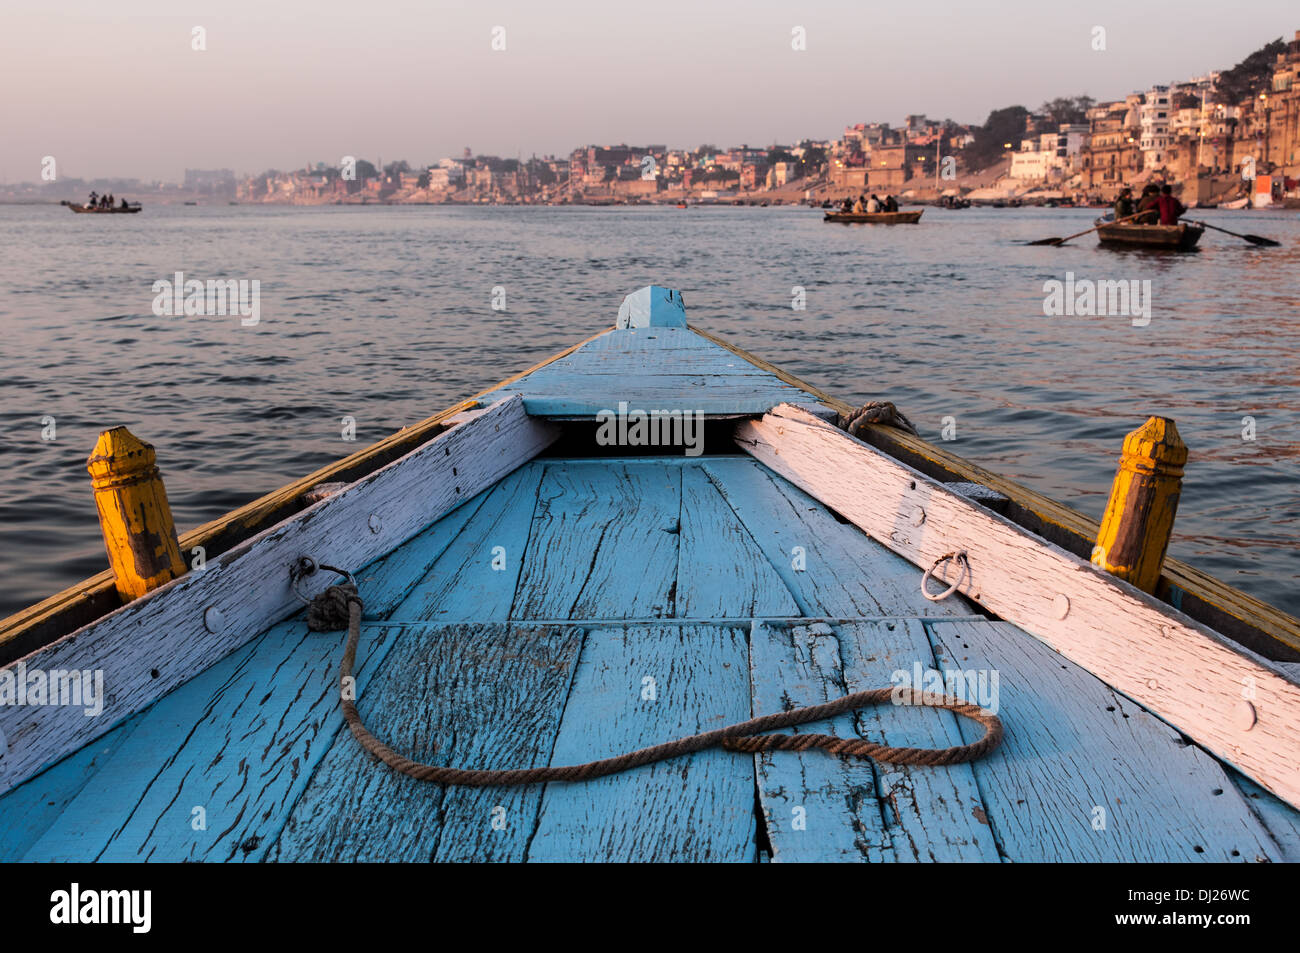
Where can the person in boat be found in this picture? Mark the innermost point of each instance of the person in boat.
(873, 204)
(94, 200)
(108, 203)
(891, 204)
(1170, 208)
(124, 205)
(847, 207)
(859, 206)
(1148, 207)
(1124, 204)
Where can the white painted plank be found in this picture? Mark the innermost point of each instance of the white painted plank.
(1084, 775)
(159, 641)
(1181, 670)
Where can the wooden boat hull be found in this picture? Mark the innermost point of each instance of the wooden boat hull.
(649, 596)
(874, 218)
(83, 210)
(1180, 237)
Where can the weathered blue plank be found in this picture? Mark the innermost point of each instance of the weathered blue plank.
(470, 696)
(832, 568)
(211, 771)
(1281, 819)
(659, 368)
(1084, 774)
(721, 572)
(816, 807)
(475, 577)
(603, 543)
(823, 808)
(30, 809)
(636, 686)
(387, 581)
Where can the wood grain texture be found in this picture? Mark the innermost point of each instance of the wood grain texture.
(721, 571)
(32, 808)
(386, 582)
(854, 810)
(697, 808)
(931, 814)
(239, 741)
(1280, 818)
(160, 641)
(462, 585)
(659, 368)
(816, 807)
(1178, 669)
(603, 543)
(469, 696)
(844, 572)
(1084, 774)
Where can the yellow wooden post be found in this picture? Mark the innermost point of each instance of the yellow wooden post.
(139, 534)
(1143, 501)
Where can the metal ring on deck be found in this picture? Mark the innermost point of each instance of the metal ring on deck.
(306, 566)
(960, 557)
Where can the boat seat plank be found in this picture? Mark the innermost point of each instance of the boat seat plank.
(845, 573)
(638, 685)
(721, 572)
(462, 584)
(657, 368)
(239, 742)
(603, 542)
(1086, 775)
(472, 696)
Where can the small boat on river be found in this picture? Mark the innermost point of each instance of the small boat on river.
(874, 218)
(96, 210)
(1180, 237)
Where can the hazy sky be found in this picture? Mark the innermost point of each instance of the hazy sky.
(113, 87)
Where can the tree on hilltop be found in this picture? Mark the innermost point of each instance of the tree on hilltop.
(1003, 125)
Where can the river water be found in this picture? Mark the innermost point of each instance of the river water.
(385, 315)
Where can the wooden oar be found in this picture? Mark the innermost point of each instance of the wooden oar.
(1253, 239)
(1062, 241)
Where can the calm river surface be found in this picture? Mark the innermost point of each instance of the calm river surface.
(384, 314)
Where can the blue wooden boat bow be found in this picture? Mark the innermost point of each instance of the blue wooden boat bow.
(535, 598)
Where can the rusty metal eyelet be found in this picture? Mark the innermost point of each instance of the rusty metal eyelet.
(960, 557)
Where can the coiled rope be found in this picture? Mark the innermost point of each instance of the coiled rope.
(339, 605)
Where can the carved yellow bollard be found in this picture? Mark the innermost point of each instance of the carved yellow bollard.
(1143, 502)
(139, 534)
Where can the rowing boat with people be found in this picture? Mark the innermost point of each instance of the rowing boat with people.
(874, 218)
(1180, 237)
(560, 621)
(103, 210)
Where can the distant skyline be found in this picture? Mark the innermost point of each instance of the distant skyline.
(116, 90)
